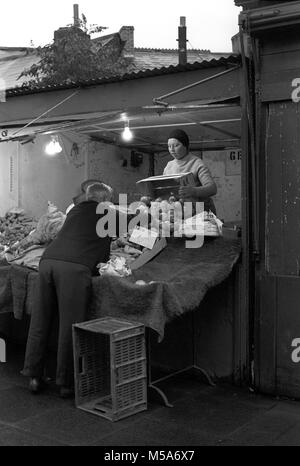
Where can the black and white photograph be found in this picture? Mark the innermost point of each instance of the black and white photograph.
(150, 226)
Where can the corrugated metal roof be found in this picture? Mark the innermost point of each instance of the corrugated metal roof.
(14, 60)
(148, 62)
(231, 60)
(146, 59)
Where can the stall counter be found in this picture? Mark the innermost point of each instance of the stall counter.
(175, 282)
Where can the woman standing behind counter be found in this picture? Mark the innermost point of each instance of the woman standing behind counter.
(184, 161)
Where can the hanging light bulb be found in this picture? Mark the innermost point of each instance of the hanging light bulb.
(53, 147)
(127, 134)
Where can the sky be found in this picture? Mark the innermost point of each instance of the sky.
(210, 23)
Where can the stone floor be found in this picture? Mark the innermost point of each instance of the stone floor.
(201, 415)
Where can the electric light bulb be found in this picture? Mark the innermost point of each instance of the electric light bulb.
(53, 147)
(127, 134)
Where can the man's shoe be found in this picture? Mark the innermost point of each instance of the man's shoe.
(66, 392)
(35, 385)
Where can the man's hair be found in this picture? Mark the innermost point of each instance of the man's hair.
(99, 192)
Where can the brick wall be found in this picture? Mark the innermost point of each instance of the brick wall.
(112, 165)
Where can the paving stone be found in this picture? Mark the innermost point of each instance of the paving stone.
(290, 437)
(274, 422)
(154, 433)
(263, 430)
(11, 436)
(17, 403)
(11, 373)
(6, 384)
(241, 394)
(249, 439)
(73, 426)
(209, 413)
(287, 407)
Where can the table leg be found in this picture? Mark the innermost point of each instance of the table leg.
(195, 367)
(152, 389)
(205, 373)
(159, 392)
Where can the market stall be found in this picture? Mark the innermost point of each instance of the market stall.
(149, 279)
(175, 282)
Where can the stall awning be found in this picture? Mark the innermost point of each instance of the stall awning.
(210, 125)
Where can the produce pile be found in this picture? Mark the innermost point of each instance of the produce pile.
(122, 247)
(48, 225)
(21, 232)
(170, 217)
(123, 253)
(14, 227)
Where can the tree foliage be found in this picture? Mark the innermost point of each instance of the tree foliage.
(73, 57)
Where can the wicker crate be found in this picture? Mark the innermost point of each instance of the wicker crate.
(110, 367)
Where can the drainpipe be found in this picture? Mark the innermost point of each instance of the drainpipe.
(182, 42)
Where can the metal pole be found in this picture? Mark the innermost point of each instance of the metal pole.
(157, 100)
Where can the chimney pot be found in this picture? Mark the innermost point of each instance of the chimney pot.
(76, 15)
(182, 21)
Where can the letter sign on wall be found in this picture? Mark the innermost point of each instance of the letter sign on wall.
(233, 162)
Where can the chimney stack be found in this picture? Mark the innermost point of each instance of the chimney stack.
(182, 42)
(127, 37)
(76, 15)
(64, 32)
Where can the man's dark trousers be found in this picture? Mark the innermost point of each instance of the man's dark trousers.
(63, 287)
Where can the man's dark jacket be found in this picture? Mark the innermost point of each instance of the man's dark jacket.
(77, 241)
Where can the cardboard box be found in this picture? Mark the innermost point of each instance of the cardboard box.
(144, 237)
(231, 232)
(164, 186)
(148, 255)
